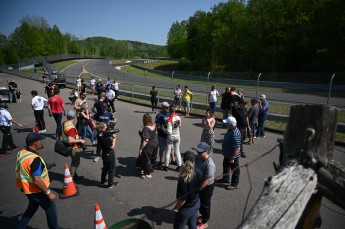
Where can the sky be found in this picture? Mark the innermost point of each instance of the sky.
(146, 21)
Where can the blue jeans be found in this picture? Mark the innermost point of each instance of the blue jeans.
(235, 178)
(87, 128)
(187, 216)
(261, 128)
(36, 200)
(213, 107)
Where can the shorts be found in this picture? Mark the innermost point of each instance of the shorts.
(93, 86)
(161, 143)
(186, 104)
(177, 99)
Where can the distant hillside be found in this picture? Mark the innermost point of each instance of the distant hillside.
(123, 48)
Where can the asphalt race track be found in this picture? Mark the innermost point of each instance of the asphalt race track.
(149, 199)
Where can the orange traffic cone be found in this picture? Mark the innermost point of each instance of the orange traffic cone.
(69, 189)
(99, 221)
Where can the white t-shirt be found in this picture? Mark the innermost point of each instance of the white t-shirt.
(38, 102)
(5, 118)
(178, 93)
(213, 96)
(110, 94)
(116, 86)
(92, 82)
(79, 82)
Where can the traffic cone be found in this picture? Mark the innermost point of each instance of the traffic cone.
(99, 221)
(69, 189)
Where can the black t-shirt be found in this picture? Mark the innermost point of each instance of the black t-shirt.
(241, 118)
(189, 191)
(107, 152)
(226, 97)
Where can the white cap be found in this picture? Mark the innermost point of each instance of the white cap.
(262, 96)
(230, 120)
(165, 104)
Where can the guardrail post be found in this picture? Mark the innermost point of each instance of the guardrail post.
(330, 89)
(208, 81)
(132, 89)
(124, 76)
(257, 84)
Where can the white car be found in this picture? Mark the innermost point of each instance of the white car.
(4, 97)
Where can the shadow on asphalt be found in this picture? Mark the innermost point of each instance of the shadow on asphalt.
(156, 215)
(11, 222)
(141, 112)
(23, 130)
(126, 167)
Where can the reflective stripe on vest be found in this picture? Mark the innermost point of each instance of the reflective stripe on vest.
(24, 179)
(67, 126)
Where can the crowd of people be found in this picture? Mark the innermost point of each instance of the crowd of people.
(159, 146)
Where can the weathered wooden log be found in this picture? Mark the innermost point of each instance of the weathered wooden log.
(283, 199)
(310, 134)
(332, 182)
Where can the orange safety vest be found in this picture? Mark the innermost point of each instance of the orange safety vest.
(68, 125)
(24, 179)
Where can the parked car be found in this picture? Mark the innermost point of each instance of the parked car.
(4, 96)
(59, 80)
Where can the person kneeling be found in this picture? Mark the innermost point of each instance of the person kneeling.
(107, 142)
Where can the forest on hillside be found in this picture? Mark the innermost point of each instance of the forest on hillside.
(35, 38)
(263, 36)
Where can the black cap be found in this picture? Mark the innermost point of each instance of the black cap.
(32, 138)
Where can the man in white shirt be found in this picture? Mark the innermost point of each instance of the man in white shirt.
(111, 97)
(6, 121)
(116, 88)
(37, 105)
(93, 85)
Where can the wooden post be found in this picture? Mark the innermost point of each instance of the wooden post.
(288, 199)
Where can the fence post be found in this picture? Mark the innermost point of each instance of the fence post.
(257, 84)
(208, 81)
(330, 88)
(171, 84)
(132, 92)
(145, 81)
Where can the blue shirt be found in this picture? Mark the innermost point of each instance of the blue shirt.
(264, 108)
(104, 117)
(161, 121)
(231, 141)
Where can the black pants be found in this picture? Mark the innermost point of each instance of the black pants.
(243, 137)
(111, 104)
(205, 201)
(235, 178)
(154, 105)
(108, 168)
(58, 118)
(39, 116)
(7, 140)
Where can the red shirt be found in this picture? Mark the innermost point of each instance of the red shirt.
(55, 102)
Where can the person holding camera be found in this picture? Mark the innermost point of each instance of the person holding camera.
(6, 121)
(69, 134)
(107, 141)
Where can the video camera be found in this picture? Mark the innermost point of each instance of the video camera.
(111, 132)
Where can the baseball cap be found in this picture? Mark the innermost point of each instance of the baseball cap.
(202, 147)
(262, 96)
(32, 138)
(165, 104)
(230, 120)
(71, 114)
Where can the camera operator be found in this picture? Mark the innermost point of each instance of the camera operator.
(108, 119)
(107, 140)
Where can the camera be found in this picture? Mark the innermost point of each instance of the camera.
(111, 132)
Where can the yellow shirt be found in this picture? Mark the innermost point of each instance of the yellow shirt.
(187, 95)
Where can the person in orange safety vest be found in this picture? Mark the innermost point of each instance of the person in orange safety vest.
(33, 180)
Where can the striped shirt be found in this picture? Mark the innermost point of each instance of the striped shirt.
(231, 141)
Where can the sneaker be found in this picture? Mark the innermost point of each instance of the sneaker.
(231, 187)
(4, 154)
(148, 176)
(243, 155)
(222, 181)
(173, 162)
(202, 225)
(14, 148)
(159, 165)
(110, 187)
(165, 168)
(178, 169)
(96, 159)
(40, 132)
(255, 137)
(44, 131)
